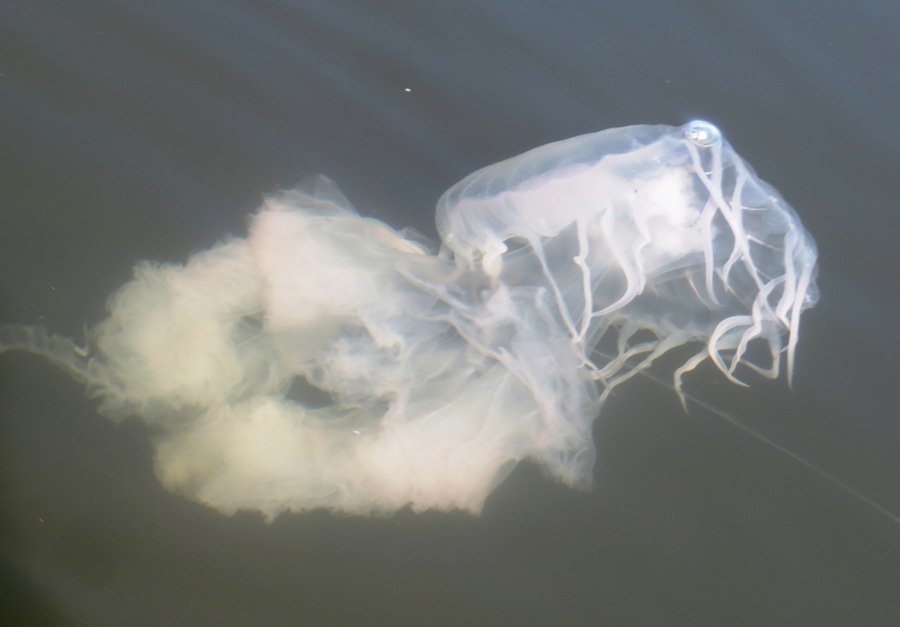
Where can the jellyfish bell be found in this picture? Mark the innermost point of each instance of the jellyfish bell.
(644, 228)
(442, 371)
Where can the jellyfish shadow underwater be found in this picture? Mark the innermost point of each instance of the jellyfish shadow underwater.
(561, 273)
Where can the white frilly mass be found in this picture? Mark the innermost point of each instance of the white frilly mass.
(329, 361)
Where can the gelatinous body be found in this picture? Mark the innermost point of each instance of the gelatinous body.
(442, 371)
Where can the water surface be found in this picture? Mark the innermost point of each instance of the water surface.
(149, 130)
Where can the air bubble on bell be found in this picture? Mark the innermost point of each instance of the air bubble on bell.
(702, 133)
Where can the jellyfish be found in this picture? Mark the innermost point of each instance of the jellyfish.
(328, 360)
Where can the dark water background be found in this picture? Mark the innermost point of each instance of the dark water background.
(149, 130)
